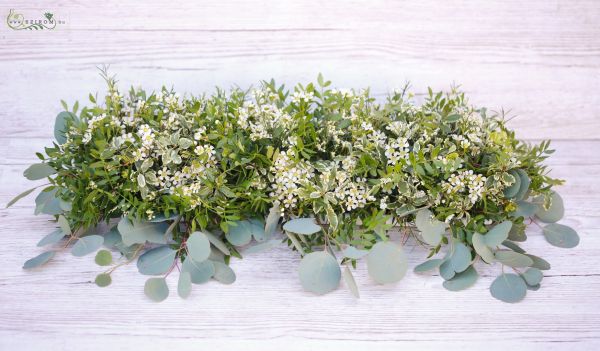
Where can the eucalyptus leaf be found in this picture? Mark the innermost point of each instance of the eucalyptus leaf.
(47, 203)
(223, 273)
(532, 276)
(218, 243)
(524, 187)
(103, 258)
(272, 221)
(431, 229)
(386, 262)
(509, 288)
(64, 225)
(513, 246)
(184, 285)
(39, 171)
(266, 245)
(428, 265)
(350, 282)
(60, 126)
(19, 197)
(525, 209)
(156, 261)
(200, 272)
(539, 263)
(495, 236)
(462, 280)
(39, 260)
(446, 270)
(240, 234)
(512, 190)
(52, 238)
(460, 258)
(111, 238)
(198, 246)
(103, 280)
(138, 232)
(554, 213)
(354, 253)
(561, 235)
(513, 259)
(319, 272)
(481, 248)
(87, 245)
(302, 226)
(156, 289)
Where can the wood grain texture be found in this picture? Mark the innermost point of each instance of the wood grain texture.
(540, 58)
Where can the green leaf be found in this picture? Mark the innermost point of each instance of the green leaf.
(156, 261)
(103, 258)
(39, 171)
(512, 191)
(386, 262)
(163, 218)
(539, 263)
(103, 280)
(561, 235)
(223, 273)
(64, 225)
(350, 282)
(513, 259)
(428, 265)
(184, 285)
(319, 272)
(509, 288)
(462, 280)
(137, 232)
(87, 245)
(495, 236)
(52, 238)
(200, 272)
(19, 197)
(481, 248)
(302, 226)
(39, 260)
(198, 246)
(554, 213)
(218, 243)
(156, 289)
(532, 276)
(461, 257)
(431, 229)
(354, 253)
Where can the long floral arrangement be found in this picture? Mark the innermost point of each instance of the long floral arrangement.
(185, 183)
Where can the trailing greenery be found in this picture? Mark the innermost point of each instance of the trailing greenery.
(187, 181)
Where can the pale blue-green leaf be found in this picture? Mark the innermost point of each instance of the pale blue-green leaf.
(482, 249)
(511, 191)
(525, 182)
(240, 234)
(60, 126)
(218, 243)
(533, 287)
(223, 273)
(319, 272)
(428, 265)
(66, 206)
(303, 226)
(266, 245)
(156, 261)
(111, 238)
(513, 259)
(554, 213)
(64, 225)
(498, 234)
(354, 253)
(19, 197)
(156, 289)
(39, 260)
(137, 232)
(47, 203)
(272, 221)
(460, 258)
(198, 246)
(350, 282)
(462, 280)
(532, 276)
(184, 285)
(517, 233)
(103, 280)
(386, 262)
(87, 245)
(200, 272)
(539, 263)
(513, 246)
(446, 270)
(525, 209)
(509, 288)
(431, 229)
(52, 238)
(257, 228)
(295, 242)
(561, 235)
(39, 171)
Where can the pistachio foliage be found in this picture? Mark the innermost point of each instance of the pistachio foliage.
(188, 180)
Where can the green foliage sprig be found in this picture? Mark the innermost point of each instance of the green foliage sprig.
(187, 181)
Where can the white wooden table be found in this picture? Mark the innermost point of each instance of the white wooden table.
(541, 58)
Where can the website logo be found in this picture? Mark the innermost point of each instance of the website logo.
(45, 21)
